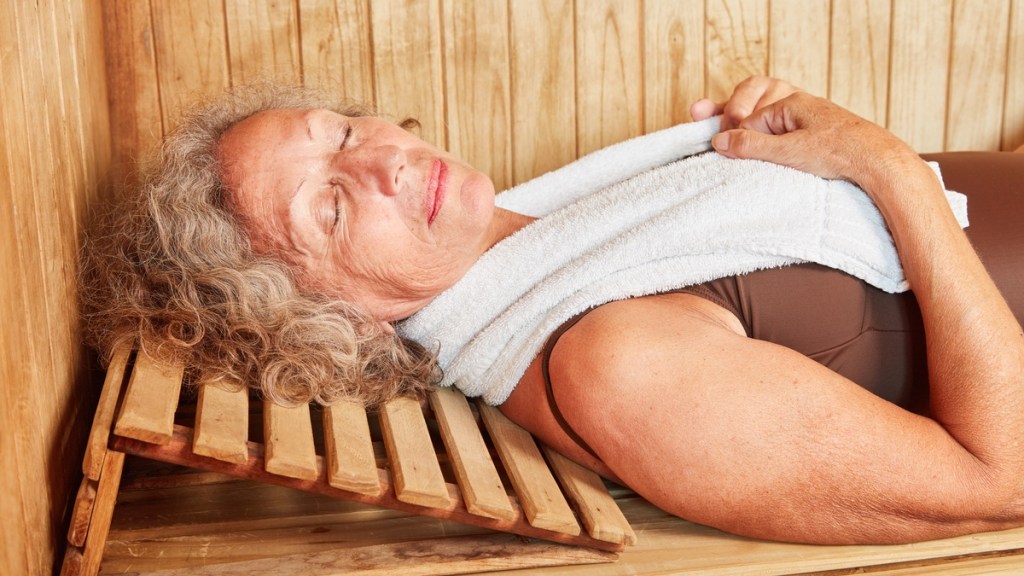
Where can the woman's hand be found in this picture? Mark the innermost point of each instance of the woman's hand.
(814, 135)
(749, 95)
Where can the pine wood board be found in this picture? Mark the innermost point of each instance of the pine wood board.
(183, 526)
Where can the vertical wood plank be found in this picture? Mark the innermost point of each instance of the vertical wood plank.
(133, 87)
(29, 96)
(798, 43)
(191, 53)
(1013, 107)
(17, 545)
(543, 89)
(673, 60)
(263, 41)
(920, 73)
(737, 37)
(477, 91)
(609, 74)
(977, 75)
(407, 63)
(336, 51)
(860, 57)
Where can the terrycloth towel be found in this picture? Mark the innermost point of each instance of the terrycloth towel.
(621, 223)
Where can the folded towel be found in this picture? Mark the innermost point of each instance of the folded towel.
(621, 223)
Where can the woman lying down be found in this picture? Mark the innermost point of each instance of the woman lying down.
(731, 338)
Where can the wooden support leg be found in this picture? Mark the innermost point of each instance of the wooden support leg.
(85, 560)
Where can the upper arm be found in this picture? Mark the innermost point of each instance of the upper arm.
(756, 438)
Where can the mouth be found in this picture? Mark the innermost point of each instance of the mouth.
(436, 189)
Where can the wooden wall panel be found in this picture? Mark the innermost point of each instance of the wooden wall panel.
(263, 41)
(859, 73)
(191, 53)
(336, 51)
(737, 43)
(54, 161)
(407, 63)
(477, 78)
(919, 72)
(543, 86)
(673, 60)
(133, 89)
(609, 74)
(798, 43)
(977, 73)
(1013, 106)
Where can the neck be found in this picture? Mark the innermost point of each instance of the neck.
(505, 223)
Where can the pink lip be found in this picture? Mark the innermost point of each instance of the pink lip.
(436, 188)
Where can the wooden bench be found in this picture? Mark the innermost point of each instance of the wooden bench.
(436, 461)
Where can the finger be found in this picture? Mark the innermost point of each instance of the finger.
(743, 101)
(704, 108)
(779, 149)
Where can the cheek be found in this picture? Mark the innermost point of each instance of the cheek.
(477, 197)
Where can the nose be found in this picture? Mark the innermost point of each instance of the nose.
(377, 169)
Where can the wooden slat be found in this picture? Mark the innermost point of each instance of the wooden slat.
(673, 60)
(96, 447)
(919, 72)
(179, 451)
(859, 76)
(609, 80)
(288, 437)
(222, 424)
(350, 460)
(977, 73)
(103, 511)
(477, 476)
(417, 473)
(737, 39)
(81, 514)
(600, 514)
(147, 412)
(798, 44)
(543, 503)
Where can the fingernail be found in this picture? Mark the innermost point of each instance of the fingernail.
(720, 141)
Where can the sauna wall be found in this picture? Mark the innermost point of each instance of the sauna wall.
(54, 164)
(522, 86)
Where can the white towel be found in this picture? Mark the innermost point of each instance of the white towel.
(615, 225)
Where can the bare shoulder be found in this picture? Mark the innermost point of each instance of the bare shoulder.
(627, 333)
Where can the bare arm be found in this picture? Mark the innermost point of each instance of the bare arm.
(757, 439)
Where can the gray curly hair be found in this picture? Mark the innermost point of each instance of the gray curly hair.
(172, 272)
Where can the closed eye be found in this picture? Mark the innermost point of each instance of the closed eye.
(337, 209)
(344, 140)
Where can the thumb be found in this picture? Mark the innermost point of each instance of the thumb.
(751, 144)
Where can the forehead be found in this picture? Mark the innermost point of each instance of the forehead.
(264, 159)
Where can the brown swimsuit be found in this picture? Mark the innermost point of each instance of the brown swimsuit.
(873, 338)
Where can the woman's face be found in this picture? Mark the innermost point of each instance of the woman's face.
(367, 210)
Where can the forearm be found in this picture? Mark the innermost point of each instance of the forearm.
(975, 346)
